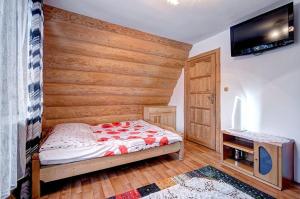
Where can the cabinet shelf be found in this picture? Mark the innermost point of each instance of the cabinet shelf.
(243, 146)
(241, 165)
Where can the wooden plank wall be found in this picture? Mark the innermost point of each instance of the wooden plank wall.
(97, 72)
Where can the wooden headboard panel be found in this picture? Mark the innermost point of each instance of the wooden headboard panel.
(97, 72)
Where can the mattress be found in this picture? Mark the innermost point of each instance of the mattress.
(83, 142)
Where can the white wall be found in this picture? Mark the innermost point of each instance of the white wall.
(177, 100)
(270, 84)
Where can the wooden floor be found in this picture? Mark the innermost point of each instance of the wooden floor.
(120, 179)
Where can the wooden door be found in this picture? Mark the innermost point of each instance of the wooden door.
(201, 85)
(266, 164)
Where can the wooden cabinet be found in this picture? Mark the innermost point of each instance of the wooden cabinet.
(165, 115)
(266, 162)
(268, 159)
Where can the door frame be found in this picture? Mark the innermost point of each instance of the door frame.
(217, 53)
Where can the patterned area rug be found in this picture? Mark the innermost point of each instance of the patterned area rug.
(206, 182)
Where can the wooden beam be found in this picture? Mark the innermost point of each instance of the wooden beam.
(93, 64)
(59, 44)
(59, 15)
(77, 89)
(92, 120)
(105, 79)
(35, 177)
(98, 100)
(111, 39)
(90, 111)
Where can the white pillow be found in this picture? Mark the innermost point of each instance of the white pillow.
(74, 127)
(69, 135)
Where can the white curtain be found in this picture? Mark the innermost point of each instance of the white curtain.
(14, 35)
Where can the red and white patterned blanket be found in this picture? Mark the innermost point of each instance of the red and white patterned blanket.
(66, 144)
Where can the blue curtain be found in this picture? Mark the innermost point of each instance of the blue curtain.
(35, 91)
(35, 71)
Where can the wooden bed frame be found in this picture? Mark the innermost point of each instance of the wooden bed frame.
(60, 171)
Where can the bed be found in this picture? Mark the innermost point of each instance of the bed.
(74, 149)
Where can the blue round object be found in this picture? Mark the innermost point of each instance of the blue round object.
(265, 161)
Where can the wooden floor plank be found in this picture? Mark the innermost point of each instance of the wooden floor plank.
(107, 187)
(109, 182)
(97, 187)
(76, 186)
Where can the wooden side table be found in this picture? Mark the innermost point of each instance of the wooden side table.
(264, 157)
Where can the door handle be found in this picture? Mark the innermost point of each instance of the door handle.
(212, 98)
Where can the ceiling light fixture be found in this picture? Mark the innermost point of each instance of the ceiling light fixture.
(173, 2)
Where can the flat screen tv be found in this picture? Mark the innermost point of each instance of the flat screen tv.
(264, 32)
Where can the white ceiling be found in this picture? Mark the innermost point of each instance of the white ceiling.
(190, 21)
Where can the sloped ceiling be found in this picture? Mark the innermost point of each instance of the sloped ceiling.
(190, 21)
